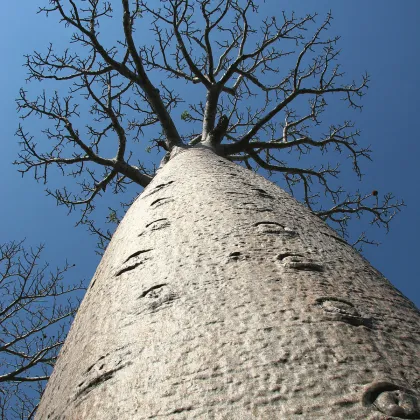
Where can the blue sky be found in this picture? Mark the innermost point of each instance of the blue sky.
(380, 37)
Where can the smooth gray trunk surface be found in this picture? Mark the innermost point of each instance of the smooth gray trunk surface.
(221, 297)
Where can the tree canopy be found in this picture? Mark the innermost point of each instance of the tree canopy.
(263, 87)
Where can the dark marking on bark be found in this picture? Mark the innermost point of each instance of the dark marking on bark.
(181, 410)
(290, 232)
(163, 301)
(161, 201)
(158, 188)
(298, 262)
(262, 193)
(129, 268)
(157, 297)
(235, 193)
(92, 366)
(135, 263)
(137, 253)
(235, 255)
(345, 403)
(146, 292)
(392, 400)
(156, 221)
(341, 310)
(123, 348)
(305, 266)
(156, 225)
(99, 380)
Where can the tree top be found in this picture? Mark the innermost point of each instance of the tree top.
(262, 85)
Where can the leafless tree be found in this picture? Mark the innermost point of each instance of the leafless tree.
(260, 89)
(36, 307)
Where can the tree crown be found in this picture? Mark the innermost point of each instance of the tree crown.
(262, 89)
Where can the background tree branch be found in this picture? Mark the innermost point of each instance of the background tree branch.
(36, 308)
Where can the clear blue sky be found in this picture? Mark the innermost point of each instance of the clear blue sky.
(378, 36)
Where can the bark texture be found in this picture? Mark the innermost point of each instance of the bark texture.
(221, 297)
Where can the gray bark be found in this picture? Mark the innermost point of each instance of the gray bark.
(221, 297)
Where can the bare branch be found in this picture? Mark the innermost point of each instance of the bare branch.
(36, 307)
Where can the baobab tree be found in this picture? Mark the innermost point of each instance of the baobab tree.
(219, 295)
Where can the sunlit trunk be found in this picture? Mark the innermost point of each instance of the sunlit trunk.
(221, 297)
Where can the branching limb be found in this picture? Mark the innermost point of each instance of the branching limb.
(86, 34)
(151, 92)
(359, 205)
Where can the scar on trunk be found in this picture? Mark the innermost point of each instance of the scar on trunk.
(237, 256)
(97, 381)
(288, 254)
(254, 207)
(268, 223)
(392, 400)
(158, 188)
(155, 225)
(136, 261)
(142, 251)
(128, 268)
(342, 310)
(299, 262)
(161, 201)
(151, 289)
(262, 193)
(158, 224)
(275, 228)
(157, 298)
(235, 193)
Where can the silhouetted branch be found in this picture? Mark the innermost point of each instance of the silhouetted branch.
(36, 307)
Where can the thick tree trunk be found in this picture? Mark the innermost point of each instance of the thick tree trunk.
(221, 297)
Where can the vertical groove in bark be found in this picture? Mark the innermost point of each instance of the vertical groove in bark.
(221, 297)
